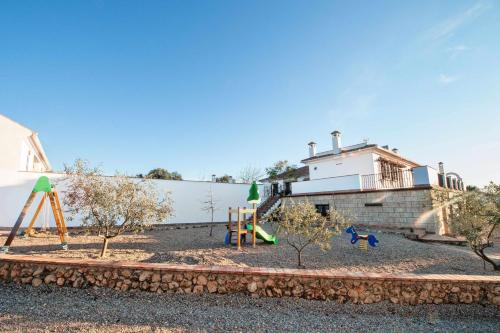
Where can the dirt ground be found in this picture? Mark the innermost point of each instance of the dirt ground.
(395, 254)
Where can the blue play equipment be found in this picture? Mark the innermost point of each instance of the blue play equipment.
(372, 240)
(227, 240)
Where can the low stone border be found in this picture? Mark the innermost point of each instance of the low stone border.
(258, 282)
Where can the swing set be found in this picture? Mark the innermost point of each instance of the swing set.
(49, 194)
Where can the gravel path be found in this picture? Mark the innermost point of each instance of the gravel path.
(27, 309)
(194, 246)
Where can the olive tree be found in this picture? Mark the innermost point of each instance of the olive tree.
(113, 205)
(301, 225)
(475, 216)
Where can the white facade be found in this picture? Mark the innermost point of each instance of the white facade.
(361, 163)
(20, 149)
(188, 198)
(342, 183)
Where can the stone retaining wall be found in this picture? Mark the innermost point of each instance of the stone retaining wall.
(256, 282)
(400, 208)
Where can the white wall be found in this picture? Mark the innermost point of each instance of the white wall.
(352, 182)
(187, 196)
(16, 150)
(361, 163)
(425, 175)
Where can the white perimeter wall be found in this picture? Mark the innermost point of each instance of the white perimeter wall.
(352, 182)
(356, 163)
(187, 197)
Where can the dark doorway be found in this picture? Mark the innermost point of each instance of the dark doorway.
(288, 188)
(275, 189)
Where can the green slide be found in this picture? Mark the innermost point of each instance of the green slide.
(262, 234)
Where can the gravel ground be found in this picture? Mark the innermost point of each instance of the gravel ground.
(27, 309)
(194, 246)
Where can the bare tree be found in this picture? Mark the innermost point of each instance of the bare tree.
(113, 205)
(302, 226)
(210, 206)
(250, 174)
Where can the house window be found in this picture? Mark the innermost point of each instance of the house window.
(390, 170)
(323, 209)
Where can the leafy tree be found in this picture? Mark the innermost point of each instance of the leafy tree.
(113, 205)
(475, 216)
(160, 173)
(250, 174)
(279, 167)
(471, 188)
(210, 206)
(224, 179)
(301, 225)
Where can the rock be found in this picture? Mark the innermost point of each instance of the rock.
(156, 277)
(60, 281)
(496, 300)
(198, 289)
(252, 287)
(26, 280)
(424, 295)
(394, 300)
(107, 274)
(144, 276)
(438, 300)
(212, 286)
(36, 282)
(353, 293)
(201, 280)
(50, 278)
(466, 298)
(154, 286)
(269, 283)
(126, 273)
(38, 271)
(124, 287)
(167, 278)
(455, 289)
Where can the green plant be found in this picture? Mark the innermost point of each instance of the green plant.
(113, 205)
(278, 168)
(301, 225)
(475, 216)
(160, 173)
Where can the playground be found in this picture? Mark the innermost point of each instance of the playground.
(193, 245)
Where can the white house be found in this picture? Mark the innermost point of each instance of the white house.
(20, 148)
(360, 167)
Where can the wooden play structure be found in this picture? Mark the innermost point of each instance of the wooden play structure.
(49, 194)
(236, 232)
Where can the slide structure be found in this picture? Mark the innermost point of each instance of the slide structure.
(262, 234)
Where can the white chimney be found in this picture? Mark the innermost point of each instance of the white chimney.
(312, 149)
(441, 168)
(336, 142)
(213, 178)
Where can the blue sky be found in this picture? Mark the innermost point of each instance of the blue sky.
(205, 87)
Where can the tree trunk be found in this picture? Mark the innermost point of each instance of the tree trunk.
(299, 258)
(104, 247)
(212, 224)
(483, 256)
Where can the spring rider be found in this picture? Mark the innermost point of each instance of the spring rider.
(363, 239)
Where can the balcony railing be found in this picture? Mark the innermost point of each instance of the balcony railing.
(387, 180)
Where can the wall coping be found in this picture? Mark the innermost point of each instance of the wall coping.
(310, 194)
(231, 270)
